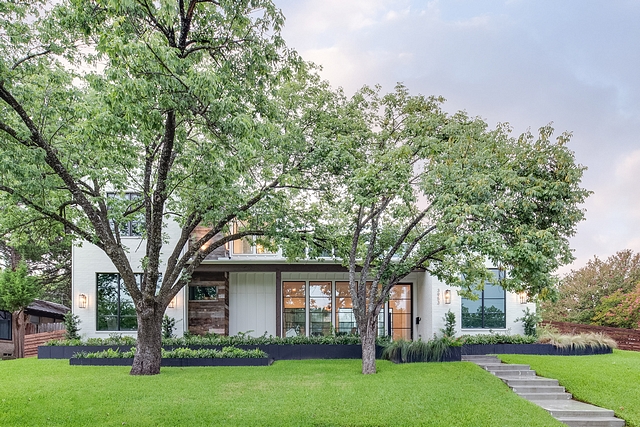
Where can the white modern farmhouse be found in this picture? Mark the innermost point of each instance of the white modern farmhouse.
(242, 288)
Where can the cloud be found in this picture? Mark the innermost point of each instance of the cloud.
(527, 63)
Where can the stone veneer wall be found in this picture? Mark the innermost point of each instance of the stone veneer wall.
(210, 316)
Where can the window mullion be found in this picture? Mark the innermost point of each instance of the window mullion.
(118, 311)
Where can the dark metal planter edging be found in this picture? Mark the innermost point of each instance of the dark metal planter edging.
(537, 349)
(342, 351)
(177, 362)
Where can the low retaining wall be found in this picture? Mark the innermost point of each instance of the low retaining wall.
(627, 339)
(539, 349)
(322, 351)
(177, 362)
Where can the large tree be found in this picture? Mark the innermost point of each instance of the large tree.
(196, 108)
(419, 189)
(586, 294)
(17, 291)
(42, 244)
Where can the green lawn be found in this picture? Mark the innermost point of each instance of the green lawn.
(609, 380)
(288, 393)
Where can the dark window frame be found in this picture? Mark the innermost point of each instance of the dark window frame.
(384, 318)
(482, 298)
(389, 313)
(128, 229)
(6, 316)
(119, 303)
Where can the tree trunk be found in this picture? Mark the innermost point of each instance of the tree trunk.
(149, 348)
(368, 335)
(19, 324)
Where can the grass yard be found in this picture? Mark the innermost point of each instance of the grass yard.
(609, 380)
(288, 393)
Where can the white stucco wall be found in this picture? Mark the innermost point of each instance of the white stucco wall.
(88, 259)
(439, 309)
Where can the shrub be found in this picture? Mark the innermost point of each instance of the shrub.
(449, 324)
(594, 340)
(213, 339)
(498, 339)
(168, 325)
(418, 351)
(71, 322)
(183, 352)
(530, 321)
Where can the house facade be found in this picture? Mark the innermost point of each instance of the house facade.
(242, 288)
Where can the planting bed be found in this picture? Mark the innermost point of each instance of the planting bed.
(176, 362)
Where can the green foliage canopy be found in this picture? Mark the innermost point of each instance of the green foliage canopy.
(17, 289)
(602, 292)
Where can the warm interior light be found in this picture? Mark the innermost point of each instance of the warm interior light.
(447, 296)
(523, 297)
(82, 301)
(172, 303)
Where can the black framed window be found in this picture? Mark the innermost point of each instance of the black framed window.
(400, 324)
(488, 311)
(200, 293)
(320, 308)
(132, 228)
(116, 310)
(317, 307)
(294, 308)
(5, 325)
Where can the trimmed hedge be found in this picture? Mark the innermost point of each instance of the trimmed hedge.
(217, 340)
(178, 353)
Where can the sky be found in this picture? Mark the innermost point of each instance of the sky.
(575, 63)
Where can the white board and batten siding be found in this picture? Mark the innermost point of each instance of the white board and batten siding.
(252, 303)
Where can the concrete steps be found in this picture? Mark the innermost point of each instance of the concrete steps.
(547, 393)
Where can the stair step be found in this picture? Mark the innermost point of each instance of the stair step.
(538, 389)
(473, 358)
(591, 422)
(531, 382)
(545, 396)
(548, 394)
(573, 408)
(504, 367)
(514, 374)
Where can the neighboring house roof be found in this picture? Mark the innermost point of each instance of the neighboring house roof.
(47, 308)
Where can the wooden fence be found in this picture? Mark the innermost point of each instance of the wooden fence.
(33, 328)
(32, 341)
(627, 339)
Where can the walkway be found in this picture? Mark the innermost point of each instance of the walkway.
(547, 394)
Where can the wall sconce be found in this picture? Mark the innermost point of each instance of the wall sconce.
(82, 301)
(523, 297)
(418, 319)
(447, 296)
(172, 303)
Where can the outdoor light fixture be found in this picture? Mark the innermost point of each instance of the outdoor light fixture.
(523, 297)
(447, 296)
(172, 303)
(82, 301)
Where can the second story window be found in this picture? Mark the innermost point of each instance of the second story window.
(247, 245)
(129, 228)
